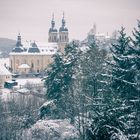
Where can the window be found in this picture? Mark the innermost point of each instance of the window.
(65, 38)
(32, 65)
(54, 38)
(38, 62)
(11, 64)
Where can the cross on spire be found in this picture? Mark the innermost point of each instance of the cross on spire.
(53, 16)
(63, 15)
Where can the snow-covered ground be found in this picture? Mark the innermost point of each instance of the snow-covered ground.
(24, 81)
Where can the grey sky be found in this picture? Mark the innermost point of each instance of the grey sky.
(32, 17)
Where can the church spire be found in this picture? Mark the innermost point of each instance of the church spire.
(52, 29)
(53, 34)
(18, 44)
(53, 22)
(19, 37)
(63, 28)
(63, 20)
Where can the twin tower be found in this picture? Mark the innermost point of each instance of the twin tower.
(61, 36)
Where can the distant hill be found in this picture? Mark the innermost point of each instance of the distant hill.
(6, 46)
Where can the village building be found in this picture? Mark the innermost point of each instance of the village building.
(5, 76)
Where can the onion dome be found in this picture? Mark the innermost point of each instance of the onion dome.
(19, 47)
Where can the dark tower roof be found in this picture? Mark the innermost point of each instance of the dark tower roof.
(34, 48)
(52, 29)
(63, 28)
(19, 46)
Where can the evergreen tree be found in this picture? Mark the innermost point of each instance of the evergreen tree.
(53, 80)
(134, 52)
(122, 72)
(54, 84)
(123, 84)
(94, 90)
(59, 80)
(118, 78)
(71, 70)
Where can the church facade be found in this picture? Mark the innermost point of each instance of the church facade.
(35, 57)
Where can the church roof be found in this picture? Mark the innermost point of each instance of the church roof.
(52, 30)
(18, 49)
(42, 48)
(4, 71)
(63, 29)
(33, 48)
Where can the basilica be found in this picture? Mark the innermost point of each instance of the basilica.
(33, 57)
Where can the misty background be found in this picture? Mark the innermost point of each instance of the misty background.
(32, 17)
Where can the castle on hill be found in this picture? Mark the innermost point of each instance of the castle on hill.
(35, 57)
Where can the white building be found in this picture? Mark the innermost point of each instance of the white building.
(5, 76)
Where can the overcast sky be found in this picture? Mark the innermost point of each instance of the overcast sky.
(32, 17)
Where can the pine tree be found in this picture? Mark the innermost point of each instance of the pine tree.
(60, 80)
(123, 84)
(134, 52)
(71, 70)
(53, 80)
(119, 78)
(54, 84)
(122, 74)
(96, 99)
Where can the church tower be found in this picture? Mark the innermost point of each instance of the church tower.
(53, 34)
(63, 35)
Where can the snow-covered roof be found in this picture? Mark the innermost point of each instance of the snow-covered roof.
(4, 61)
(24, 66)
(43, 47)
(4, 71)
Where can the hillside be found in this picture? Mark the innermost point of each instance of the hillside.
(6, 46)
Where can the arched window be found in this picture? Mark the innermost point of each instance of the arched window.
(38, 62)
(54, 38)
(65, 37)
(32, 64)
(11, 64)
